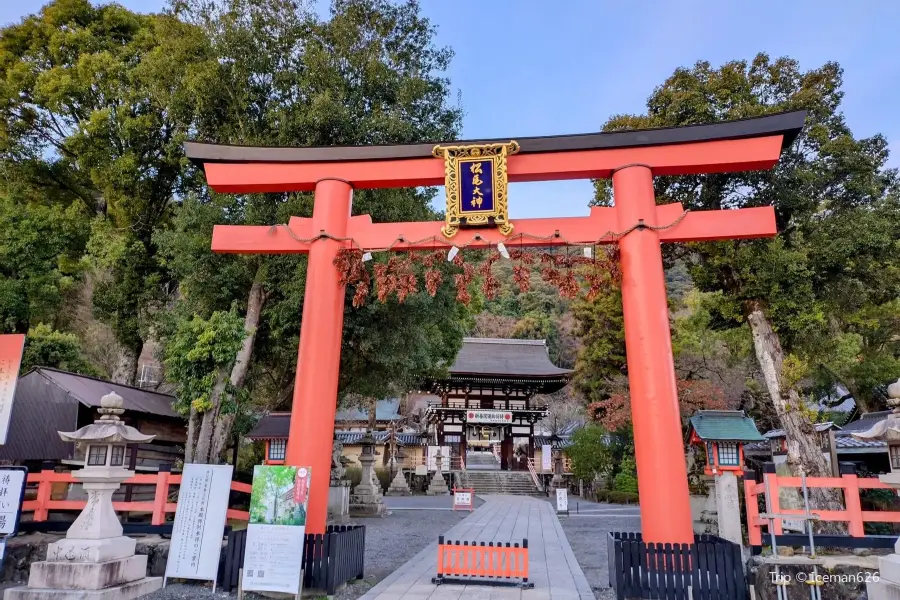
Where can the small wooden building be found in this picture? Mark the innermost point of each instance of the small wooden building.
(723, 434)
(49, 400)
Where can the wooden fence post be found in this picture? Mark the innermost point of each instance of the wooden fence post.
(773, 499)
(45, 489)
(754, 531)
(854, 506)
(162, 495)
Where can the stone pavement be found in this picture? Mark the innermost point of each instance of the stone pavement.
(551, 564)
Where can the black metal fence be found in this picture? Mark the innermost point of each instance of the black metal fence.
(329, 560)
(711, 569)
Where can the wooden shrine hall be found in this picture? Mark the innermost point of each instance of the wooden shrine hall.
(489, 405)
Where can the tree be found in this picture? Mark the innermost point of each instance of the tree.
(369, 73)
(600, 366)
(94, 105)
(46, 347)
(590, 453)
(197, 353)
(773, 285)
(40, 250)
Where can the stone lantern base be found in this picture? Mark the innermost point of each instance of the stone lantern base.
(119, 579)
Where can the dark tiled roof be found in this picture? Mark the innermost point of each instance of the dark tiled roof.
(727, 425)
(385, 410)
(510, 358)
(843, 442)
(352, 437)
(820, 427)
(543, 440)
(40, 409)
(271, 426)
(866, 421)
(89, 390)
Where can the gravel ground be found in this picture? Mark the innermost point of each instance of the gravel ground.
(390, 542)
(587, 537)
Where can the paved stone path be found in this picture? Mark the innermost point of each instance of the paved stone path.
(552, 566)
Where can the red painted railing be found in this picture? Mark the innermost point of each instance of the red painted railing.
(852, 514)
(158, 508)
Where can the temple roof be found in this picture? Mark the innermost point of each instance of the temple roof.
(506, 358)
(725, 425)
(786, 124)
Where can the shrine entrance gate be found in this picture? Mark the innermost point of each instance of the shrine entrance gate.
(630, 158)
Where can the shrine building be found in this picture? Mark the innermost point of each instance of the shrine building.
(487, 410)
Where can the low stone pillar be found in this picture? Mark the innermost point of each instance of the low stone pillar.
(339, 503)
(728, 507)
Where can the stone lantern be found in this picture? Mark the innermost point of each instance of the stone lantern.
(95, 558)
(558, 481)
(366, 499)
(437, 486)
(398, 487)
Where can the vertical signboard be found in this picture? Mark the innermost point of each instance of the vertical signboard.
(562, 500)
(274, 553)
(199, 522)
(12, 492)
(11, 348)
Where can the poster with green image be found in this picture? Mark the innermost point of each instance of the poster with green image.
(278, 496)
(275, 535)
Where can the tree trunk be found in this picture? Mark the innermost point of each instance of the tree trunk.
(373, 416)
(803, 448)
(126, 366)
(191, 437)
(241, 367)
(215, 428)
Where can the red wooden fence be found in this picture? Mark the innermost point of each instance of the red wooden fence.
(158, 508)
(852, 514)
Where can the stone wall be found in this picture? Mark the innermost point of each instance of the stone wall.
(843, 577)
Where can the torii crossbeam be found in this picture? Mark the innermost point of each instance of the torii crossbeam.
(630, 158)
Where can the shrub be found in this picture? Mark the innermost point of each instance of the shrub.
(616, 497)
(626, 480)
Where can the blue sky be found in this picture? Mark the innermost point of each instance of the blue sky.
(532, 67)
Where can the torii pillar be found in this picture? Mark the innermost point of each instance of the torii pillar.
(630, 158)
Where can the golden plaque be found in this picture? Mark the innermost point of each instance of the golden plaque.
(476, 185)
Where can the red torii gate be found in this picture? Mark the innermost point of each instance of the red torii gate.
(631, 158)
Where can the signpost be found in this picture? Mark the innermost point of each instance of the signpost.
(562, 501)
(199, 523)
(274, 553)
(11, 348)
(464, 499)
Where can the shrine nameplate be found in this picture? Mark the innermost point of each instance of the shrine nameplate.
(476, 183)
